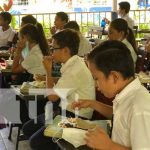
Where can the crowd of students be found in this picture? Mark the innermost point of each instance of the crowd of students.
(111, 65)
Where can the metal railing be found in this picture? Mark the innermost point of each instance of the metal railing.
(84, 19)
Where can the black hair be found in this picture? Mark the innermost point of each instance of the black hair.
(36, 34)
(125, 5)
(72, 25)
(63, 16)
(29, 19)
(113, 55)
(122, 25)
(6, 16)
(68, 38)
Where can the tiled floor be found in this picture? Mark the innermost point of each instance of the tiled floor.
(5, 144)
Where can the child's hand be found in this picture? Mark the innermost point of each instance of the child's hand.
(39, 77)
(53, 30)
(20, 46)
(98, 139)
(48, 63)
(81, 104)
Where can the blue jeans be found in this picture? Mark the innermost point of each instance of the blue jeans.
(35, 133)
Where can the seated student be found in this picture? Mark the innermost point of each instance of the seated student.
(25, 20)
(61, 19)
(84, 46)
(28, 19)
(6, 32)
(119, 30)
(115, 77)
(35, 41)
(124, 8)
(18, 79)
(75, 76)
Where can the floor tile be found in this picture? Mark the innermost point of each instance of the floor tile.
(0, 137)
(4, 133)
(6, 144)
(2, 146)
(9, 145)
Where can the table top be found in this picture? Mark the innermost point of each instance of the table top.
(4, 54)
(144, 78)
(7, 71)
(39, 94)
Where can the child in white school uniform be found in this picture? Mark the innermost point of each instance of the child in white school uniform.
(31, 37)
(113, 69)
(6, 32)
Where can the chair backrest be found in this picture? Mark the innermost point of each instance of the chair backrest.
(95, 30)
(135, 30)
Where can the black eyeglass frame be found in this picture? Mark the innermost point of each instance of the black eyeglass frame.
(52, 49)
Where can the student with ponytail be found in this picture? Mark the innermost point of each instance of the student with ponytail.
(119, 30)
(33, 38)
(30, 19)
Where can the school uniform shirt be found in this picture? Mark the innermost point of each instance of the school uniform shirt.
(33, 61)
(131, 123)
(84, 46)
(78, 83)
(129, 46)
(6, 36)
(129, 20)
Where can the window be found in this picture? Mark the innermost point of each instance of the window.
(21, 2)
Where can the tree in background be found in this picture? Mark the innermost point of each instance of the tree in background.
(6, 7)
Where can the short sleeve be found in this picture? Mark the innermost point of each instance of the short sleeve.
(68, 83)
(140, 131)
(29, 62)
(11, 36)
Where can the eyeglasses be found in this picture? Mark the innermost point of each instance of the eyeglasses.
(53, 49)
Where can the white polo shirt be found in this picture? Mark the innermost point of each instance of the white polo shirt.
(33, 61)
(131, 108)
(129, 20)
(129, 46)
(77, 78)
(84, 46)
(6, 36)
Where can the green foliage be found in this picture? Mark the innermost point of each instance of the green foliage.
(84, 27)
(144, 26)
(46, 29)
(13, 22)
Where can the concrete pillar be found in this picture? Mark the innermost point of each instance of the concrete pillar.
(114, 14)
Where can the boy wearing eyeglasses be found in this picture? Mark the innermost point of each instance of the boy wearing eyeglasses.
(75, 82)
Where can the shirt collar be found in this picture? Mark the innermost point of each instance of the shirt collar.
(124, 40)
(125, 16)
(35, 48)
(127, 91)
(69, 63)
